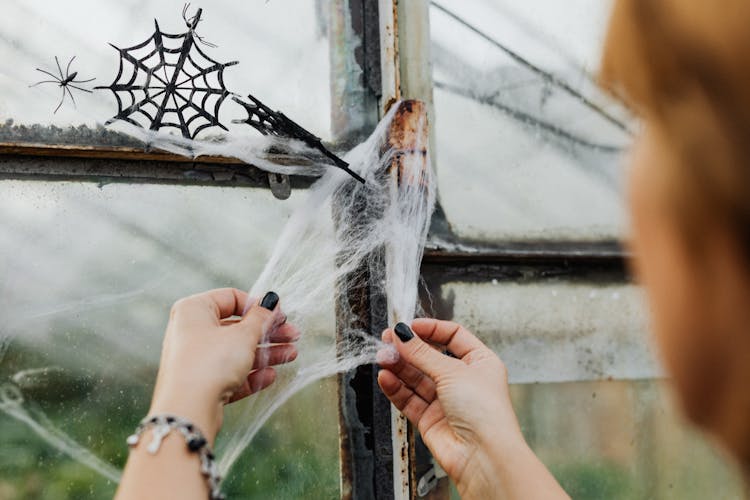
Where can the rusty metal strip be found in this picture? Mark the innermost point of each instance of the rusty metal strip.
(389, 55)
(415, 80)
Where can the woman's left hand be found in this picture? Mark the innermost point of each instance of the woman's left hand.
(211, 357)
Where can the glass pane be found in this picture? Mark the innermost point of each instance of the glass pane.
(283, 60)
(87, 277)
(585, 346)
(521, 129)
(557, 331)
(624, 441)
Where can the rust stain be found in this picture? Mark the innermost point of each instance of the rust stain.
(389, 103)
(408, 137)
(402, 439)
(345, 468)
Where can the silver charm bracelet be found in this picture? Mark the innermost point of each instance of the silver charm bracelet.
(196, 443)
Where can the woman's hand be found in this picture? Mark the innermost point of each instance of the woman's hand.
(461, 405)
(211, 357)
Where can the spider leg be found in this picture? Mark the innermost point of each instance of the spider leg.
(80, 88)
(83, 81)
(67, 69)
(50, 74)
(43, 81)
(59, 69)
(61, 101)
(203, 41)
(71, 97)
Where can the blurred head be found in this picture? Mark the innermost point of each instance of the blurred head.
(683, 66)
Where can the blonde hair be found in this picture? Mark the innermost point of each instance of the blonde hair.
(685, 67)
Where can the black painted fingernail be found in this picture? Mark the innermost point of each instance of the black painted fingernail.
(269, 301)
(403, 331)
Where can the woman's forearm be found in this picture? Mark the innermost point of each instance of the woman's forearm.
(510, 472)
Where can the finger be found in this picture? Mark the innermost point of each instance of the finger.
(420, 354)
(256, 381)
(387, 356)
(414, 379)
(234, 319)
(274, 355)
(228, 301)
(406, 400)
(455, 337)
(213, 305)
(283, 334)
(388, 339)
(262, 318)
(260, 379)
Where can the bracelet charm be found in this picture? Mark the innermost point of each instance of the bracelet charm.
(195, 442)
(158, 434)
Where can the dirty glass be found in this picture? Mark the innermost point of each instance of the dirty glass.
(588, 390)
(556, 331)
(526, 146)
(283, 61)
(624, 441)
(87, 276)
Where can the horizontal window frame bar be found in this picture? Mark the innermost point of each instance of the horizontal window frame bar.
(104, 165)
(102, 152)
(575, 261)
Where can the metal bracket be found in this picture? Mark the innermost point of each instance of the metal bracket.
(430, 479)
(280, 185)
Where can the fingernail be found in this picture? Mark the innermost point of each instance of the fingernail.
(403, 331)
(269, 301)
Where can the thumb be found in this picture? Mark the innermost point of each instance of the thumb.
(420, 354)
(261, 317)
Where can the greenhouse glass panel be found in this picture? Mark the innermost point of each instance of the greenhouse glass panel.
(557, 331)
(621, 440)
(584, 346)
(88, 275)
(521, 129)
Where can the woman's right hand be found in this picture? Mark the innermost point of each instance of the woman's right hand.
(461, 405)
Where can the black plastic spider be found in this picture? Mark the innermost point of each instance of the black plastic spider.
(192, 24)
(65, 81)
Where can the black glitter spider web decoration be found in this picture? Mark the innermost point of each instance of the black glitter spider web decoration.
(156, 87)
(177, 86)
(270, 122)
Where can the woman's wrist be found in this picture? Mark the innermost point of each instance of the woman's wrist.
(484, 474)
(509, 469)
(203, 407)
